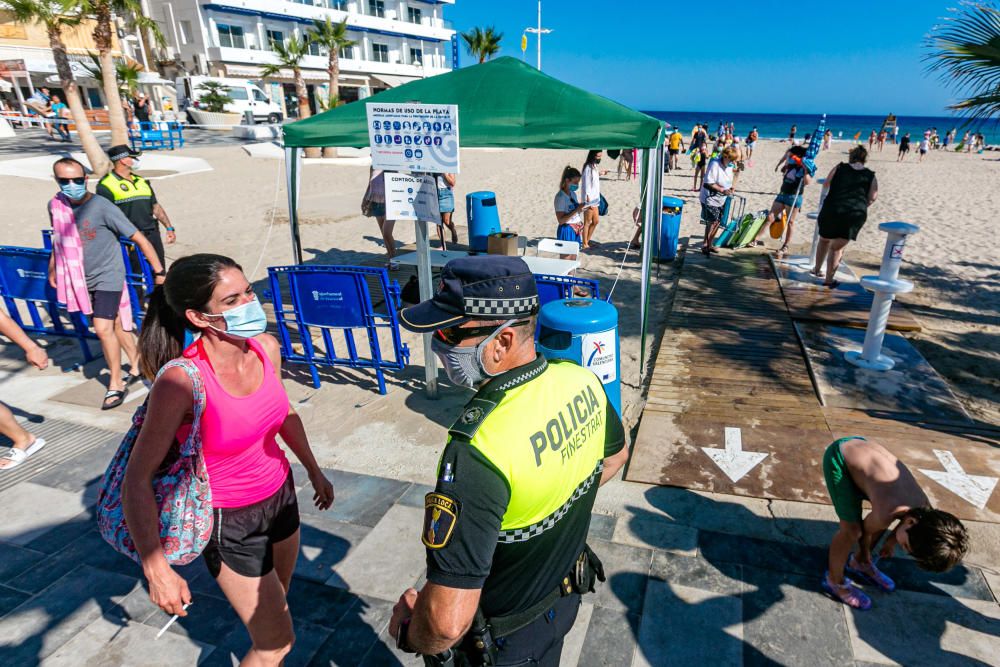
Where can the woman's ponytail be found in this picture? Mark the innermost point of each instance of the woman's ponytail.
(162, 335)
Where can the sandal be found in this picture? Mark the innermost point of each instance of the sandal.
(833, 284)
(876, 578)
(847, 593)
(19, 456)
(118, 396)
(781, 252)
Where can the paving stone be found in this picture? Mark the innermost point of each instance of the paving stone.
(721, 578)
(14, 560)
(917, 629)
(961, 582)
(691, 625)
(660, 534)
(573, 642)
(23, 522)
(356, 633)
(602, 526)
(611, 638)
(9, 598)
(136, 606)
(993, 579)
(626, 568)
(231, 648)
(360, 499)
(788, 621)
(89, 549)
(765, 554)
(324, 545)
(389, 560)
(63, 534)
(108, 641)
(43, 623)
(414, 496)
(84, 472)
(208, 618)
(320, 605)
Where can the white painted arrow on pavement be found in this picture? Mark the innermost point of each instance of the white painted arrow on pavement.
(733, 460)
(974, 489)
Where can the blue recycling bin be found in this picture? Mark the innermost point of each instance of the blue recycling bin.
(483, 216)
(584, 331)
(670, 228)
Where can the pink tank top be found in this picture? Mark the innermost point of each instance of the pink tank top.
(245, 464)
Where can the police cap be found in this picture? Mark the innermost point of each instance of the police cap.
(480, 287)
(120, 152)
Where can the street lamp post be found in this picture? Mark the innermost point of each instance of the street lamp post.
(539, 31)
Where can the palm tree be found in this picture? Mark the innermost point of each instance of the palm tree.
(483, 44)
(965, 51)
(333, 37)
(289, 55)
(56, 17)
(126, 73)
(103, 11)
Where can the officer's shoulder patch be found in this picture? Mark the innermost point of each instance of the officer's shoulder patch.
(440, 517)
(475, 413)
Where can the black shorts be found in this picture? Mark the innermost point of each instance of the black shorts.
(243, 537)
(105, 303)
(711, 214)
(674, 151)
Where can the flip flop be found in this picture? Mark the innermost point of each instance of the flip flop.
(853, 597)
(879, 578)
(833, 284)
(19, 456)
(117, 394)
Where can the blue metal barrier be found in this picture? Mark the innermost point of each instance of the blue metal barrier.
(326, 298)
(24, 280)
(156, 135)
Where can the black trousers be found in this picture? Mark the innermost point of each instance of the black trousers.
(540, 643)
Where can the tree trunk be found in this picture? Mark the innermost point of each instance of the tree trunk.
(333, 69)
(303, 94)
(102, 39)
(98, 159)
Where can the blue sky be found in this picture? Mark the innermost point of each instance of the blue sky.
(768, 56)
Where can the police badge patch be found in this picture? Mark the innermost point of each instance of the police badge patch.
(124, 187)
(440, 517)
(472, 416)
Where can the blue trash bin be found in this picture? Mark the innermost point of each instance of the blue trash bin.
(584, 331)
(483, 217)
(670, 228)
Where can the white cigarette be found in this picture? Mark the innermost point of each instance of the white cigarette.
(171, 622)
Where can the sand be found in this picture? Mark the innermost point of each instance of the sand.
(239, 209)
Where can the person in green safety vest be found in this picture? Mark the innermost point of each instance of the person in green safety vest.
(134, 196)
(505, 528)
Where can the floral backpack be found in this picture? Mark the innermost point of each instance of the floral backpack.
(180, 487)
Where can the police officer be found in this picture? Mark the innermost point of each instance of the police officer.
(506, 525)
(134, 196)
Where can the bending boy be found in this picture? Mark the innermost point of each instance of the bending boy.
(857, 469)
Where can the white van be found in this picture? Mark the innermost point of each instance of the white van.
(246, 96)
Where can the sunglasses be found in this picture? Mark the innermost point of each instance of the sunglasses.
(80, 180)
(455, 335)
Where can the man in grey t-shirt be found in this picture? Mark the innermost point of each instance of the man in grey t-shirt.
(100, 223)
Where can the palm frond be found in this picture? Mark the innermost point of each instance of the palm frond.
(964, 51)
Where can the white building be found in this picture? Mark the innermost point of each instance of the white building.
(396, 41)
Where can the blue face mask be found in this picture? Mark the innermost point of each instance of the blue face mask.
(574, 187)
(244, 321)
(74, 191)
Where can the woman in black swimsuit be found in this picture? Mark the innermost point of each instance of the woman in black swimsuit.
(904, 147)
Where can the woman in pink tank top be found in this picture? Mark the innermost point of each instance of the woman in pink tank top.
(255, 533)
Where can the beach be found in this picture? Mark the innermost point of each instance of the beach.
(240, 209)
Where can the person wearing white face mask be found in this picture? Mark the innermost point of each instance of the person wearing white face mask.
(255, 516)
(87, 271)
(506, 526)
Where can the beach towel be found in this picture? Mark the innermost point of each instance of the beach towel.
(71, 283)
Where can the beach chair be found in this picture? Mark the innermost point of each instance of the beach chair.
(557, 246)
(732, 216)
(311, 302)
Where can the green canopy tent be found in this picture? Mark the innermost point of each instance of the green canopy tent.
(503, 103)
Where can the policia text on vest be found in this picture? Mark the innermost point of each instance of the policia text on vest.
(570, 429)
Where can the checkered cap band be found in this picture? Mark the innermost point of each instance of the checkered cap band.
(501, 307)
(528, 532)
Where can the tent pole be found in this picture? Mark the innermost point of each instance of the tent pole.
(647, 222)
(293, 163)
(426, 293)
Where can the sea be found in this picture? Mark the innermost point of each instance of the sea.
(777, 125)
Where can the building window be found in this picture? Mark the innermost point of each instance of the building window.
(376, 8)
(380, 53)
(416, 56)
(413, 15)
(340, 5)
(186, 32)
(315, 49)
(231, 36)
(274, 37)
(347, 52)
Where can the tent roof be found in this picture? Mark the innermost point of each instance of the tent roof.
(501, 103)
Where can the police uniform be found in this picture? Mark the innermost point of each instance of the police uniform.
(135, 198)
(518, 477)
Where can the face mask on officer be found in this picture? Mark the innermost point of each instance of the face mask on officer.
(464, 365)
